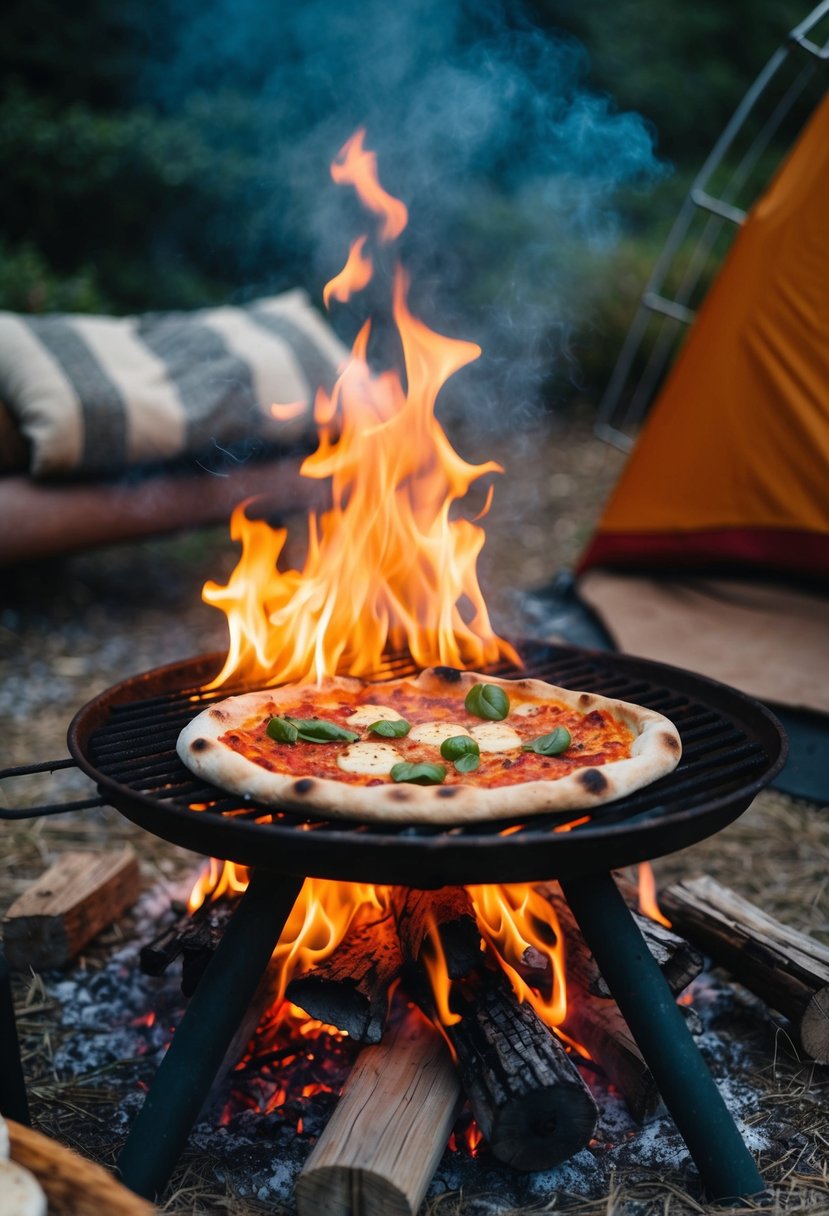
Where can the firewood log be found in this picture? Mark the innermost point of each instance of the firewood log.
(388, 1132)
(450, 909)
(678, 961)
(786, 968)
(527, 1096)
(350, 989)
(194, 936)
(67, 906)
(593, 1019)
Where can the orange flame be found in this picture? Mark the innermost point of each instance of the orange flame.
(514, 919)
(354, 276)
(356, 167)
(647, 895)
(386, 567)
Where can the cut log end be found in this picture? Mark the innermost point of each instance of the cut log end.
(343, 1190)
(814, 1027)
(544, 1128)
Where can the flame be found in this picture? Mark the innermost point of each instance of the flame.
(647, 895)
(388, 567)
(354, 276)
(514, 919)
(356, 167)
(217, 879)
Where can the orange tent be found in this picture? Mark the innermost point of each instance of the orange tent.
(731, 470)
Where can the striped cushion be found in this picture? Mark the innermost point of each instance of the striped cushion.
(96, 394)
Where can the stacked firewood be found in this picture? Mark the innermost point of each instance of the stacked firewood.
(526, 1094)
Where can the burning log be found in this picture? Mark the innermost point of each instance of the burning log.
(787, 969)
(350, 989)
(450, 910)
(528, 1098)
(194, 936)
(388, 1132)
(593, 1018)
(67, 906)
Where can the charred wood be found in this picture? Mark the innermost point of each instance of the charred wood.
(450, 910)
(789, 970)
(194, 937)
(527, 1096)
(388, 1132)
(350, 989)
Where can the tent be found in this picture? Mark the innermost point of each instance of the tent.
(713, 550)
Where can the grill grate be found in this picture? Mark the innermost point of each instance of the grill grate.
(126, 742)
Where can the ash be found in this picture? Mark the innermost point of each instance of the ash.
(261, 1121)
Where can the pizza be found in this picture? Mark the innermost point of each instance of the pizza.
(443, 747)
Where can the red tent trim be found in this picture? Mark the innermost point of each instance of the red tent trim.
(765, 550)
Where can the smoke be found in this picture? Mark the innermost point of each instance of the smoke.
(483, 123)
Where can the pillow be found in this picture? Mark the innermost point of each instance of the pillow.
(94, 395)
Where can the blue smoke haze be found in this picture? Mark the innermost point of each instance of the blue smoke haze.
(483, 124)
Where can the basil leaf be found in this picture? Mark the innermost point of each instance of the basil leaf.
(557, 741)
(458, 745)
(468, 762)
(320, 730)
(395, 729)
(487, 701)
(418, 774)
(282, 730)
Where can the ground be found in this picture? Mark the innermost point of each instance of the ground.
(70, 628)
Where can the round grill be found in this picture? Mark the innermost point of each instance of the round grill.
(732, 746)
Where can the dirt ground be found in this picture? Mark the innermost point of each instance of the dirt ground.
(71, 628)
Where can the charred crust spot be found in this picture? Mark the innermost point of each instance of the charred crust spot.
(585, 699)
(304, 785)
(218, 714)
(450, 675)
(400, 795)
(199, 745)
(593, 781)
(671, 743)
(447, 791)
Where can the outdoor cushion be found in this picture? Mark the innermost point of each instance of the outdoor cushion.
(94, 395)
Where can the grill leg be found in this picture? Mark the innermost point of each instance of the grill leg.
(216, 1008)
(682, 1077)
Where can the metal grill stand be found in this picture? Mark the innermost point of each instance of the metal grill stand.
(218, 1005)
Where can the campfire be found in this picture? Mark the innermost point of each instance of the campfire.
(478, 989)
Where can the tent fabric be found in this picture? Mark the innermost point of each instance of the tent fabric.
(768, 640)
(731, 470)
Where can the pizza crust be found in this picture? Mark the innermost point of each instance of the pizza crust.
(655, 751)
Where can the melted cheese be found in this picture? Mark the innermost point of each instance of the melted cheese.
(369, 759)
(496, 737)
(526, 709)
(367, 715)
(435, 732)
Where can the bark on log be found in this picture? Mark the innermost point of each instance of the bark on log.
(388, 1132)
(350, 989)
(451, 910)
(527, 1096)
(67, 906)
(594, 1020)
(786, 968)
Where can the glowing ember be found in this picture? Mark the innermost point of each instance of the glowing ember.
(386, 567)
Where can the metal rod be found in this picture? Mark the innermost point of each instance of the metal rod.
(216, 1008)
(13, 1101)
(682, 1077)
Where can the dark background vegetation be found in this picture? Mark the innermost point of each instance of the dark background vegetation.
(142, 150)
